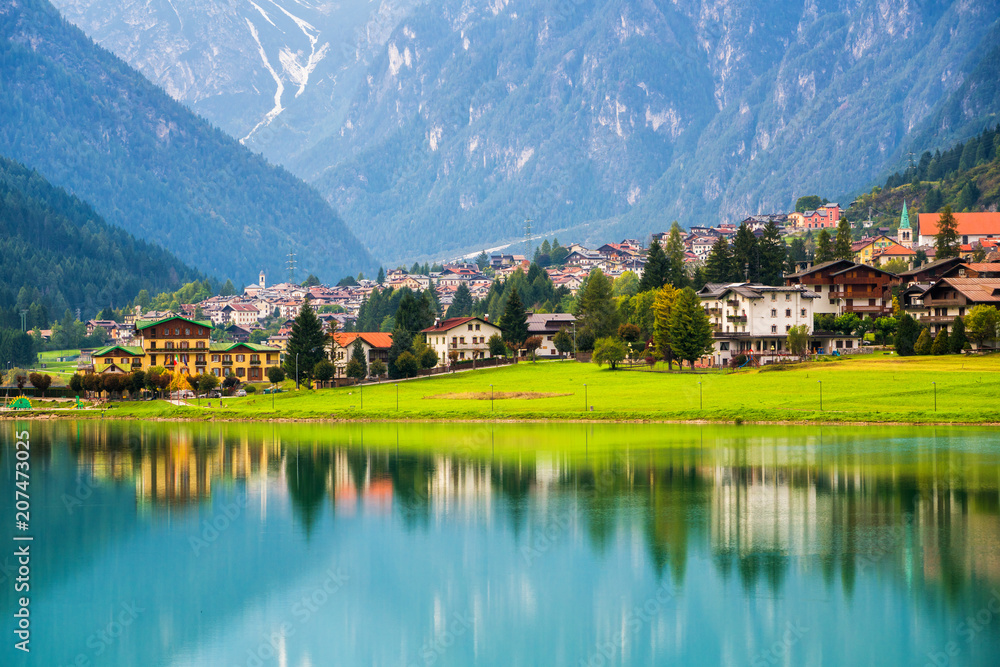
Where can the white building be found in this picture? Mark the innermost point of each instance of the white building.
(466, 337)
(547, 326)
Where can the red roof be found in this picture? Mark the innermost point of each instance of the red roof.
(449, 324)
(968, 223)
(376, 339)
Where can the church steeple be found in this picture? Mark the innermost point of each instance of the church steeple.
(905, 234)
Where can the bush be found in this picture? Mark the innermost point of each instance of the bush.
(497, 347)
(355, 370)
(251, 389)
(428, 358)
(377, 368)
(407, 364)
(941, 345)
(924, 343)
(323, 370)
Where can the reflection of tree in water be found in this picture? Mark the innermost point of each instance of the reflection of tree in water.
(514, 479)
(308, 474)
(674, 494)
(410, 475)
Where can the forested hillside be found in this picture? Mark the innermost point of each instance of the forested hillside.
(57, 253)
(89, 123)
(965, 177)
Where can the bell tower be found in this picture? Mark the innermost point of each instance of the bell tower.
(260, 281)
(904, 236)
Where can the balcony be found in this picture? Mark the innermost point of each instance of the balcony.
(931, 303)
(858, 294)
(737, 319)
(714, 311)
(937, 319)
(844, 280)
(733, 303)
(255, 363)
(882, 310)
(227, 363)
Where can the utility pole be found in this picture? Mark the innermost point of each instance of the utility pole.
(527, 238)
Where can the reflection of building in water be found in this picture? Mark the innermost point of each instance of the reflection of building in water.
(460, 488)
(175, 474)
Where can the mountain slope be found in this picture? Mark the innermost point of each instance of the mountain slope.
(90, 124)
(57, 252)
(601, 118)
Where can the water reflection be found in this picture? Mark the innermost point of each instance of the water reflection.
(751, 526)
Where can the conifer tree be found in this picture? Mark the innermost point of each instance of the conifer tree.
(514, 323)
(719, 264)
(941, 344)
(307, 341)
(461, 305)
(676, 274)
(957, 339)
(946, 242)
(654, 273)
(842, 246)
(772, 255)
(824, 249)
(596, 313)
(746, 255)
(690, 330)
(924, 343)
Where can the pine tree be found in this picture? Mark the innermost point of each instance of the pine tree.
(746, 255)
(514, 323)
(596, 313)
(358, 357)
(676, 275)
(662, 310)
(461, 305)
(824, 250)
(933, 201)
(381, 276)
(957, 341)
(772, 255)
(654, 273)
(306, 343)
(402, 341)
(842, 246)
(906, 335)
(946, 242)
(719, 264)
(690, 330)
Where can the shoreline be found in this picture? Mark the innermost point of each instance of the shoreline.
(229, 419)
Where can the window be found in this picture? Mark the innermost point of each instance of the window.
(170, 345)
(124, 361)
(255, 358)
(152, 345)
(477, 327)
(216, 372)
(184, 358)
(724, 346)
(788, 327)
(803, 312)
(200, 345)
(227, 358)
(201, 358)
(177, 331)
(774, 296)
(187, 331)
(240, 372)
(462, 339)
(215, 358)
(774, 312)
(470, 327)
(774, 328)
(185, 345)
(241, 357)
(850, 344)
(788, 312)
(788, 297)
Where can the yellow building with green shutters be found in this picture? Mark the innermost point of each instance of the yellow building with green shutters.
(183, 345)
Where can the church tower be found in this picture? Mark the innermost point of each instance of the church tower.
(261, 280)
(905, 234)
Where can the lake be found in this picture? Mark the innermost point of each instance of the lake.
(409, 545)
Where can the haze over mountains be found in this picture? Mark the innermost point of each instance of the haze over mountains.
(446, 123)
(89, 123)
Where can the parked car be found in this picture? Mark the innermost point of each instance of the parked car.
(241, 392)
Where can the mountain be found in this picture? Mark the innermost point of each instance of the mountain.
(450, 122)
(89, 123)
(57, 253)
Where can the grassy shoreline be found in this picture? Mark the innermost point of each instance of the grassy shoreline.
(856, 390)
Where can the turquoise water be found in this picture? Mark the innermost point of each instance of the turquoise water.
(411, 545)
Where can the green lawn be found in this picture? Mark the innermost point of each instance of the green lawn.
(61, 371)
(858, 389)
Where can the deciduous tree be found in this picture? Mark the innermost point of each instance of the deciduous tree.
(610, 351)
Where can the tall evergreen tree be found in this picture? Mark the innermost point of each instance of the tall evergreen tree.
(957, 340)
(358, 356)
(676, 274)
(596, 313)
(946, 242)
(933, 201)
(842, 246)
(772, 255)
(461, 305)
(824, 249)
(690, 330)
(381, 276)
(746, 255)
(655, 272)
(306, 343)
(906, 335)
(514, 323)
(719, 264)
(402, 341)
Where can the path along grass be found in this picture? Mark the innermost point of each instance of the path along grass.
(856, 389)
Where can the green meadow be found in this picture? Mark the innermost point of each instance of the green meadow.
(858, 389)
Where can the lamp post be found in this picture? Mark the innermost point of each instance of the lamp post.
(296, 371)
(491, 399)
(701, 397)
(935, 395)
(362, 388)
(397, 398)
(585, 401)
(820, 395)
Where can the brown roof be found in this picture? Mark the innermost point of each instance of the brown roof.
(968, 223)
(376, 339)
(977, 290)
